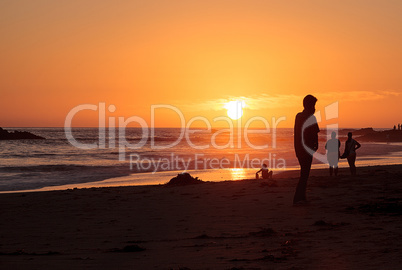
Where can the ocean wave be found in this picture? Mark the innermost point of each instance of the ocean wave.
(47, 168)
(39, 176)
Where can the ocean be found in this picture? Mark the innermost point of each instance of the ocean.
(110, 158)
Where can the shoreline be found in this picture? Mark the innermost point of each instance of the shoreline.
(349, 223)
(162, 177)
(56, 162)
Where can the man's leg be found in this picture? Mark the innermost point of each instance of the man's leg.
(305, 166)
(351, 160)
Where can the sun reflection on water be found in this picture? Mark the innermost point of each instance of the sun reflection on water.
(238, 173)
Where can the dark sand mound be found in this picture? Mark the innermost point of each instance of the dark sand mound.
(183, 179)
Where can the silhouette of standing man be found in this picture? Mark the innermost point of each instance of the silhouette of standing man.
(305, 143)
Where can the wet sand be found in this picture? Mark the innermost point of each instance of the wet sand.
(349, 223)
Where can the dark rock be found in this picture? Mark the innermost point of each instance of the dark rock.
(363, 131)
(382, 136)
(370, 135)
(18, 135)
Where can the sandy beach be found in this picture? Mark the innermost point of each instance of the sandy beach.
(349, 223)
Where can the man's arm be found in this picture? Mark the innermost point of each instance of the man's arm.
(357, 145)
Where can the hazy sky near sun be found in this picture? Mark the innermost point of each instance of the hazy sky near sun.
(197, 55)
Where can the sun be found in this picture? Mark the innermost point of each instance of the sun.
(235, 109)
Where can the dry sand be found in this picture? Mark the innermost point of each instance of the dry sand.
(349, 223)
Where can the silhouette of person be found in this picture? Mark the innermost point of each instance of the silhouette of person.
(265, 172)
(351, 146)
(305, 143)
(399, 126)
(332, 147)
(394, 127)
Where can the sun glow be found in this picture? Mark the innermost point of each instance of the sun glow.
(235, 109)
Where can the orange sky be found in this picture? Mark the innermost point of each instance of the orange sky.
(197, 55)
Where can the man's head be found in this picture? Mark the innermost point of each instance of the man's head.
(309, 102)
(350, 135)
(333, 135)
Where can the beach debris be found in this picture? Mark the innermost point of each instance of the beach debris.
(203, 236)
(390, 207)
(23, 252)
(183, 179)
(271, 258)
(83, 258)
(322, 223)
(271, 183)
(223, 236)
(136, 241)
(264, 232)
(129, 248)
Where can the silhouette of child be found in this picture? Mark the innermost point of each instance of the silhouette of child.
(332, 147)
(265, 172)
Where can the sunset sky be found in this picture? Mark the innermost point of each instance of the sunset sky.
(197, 56)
